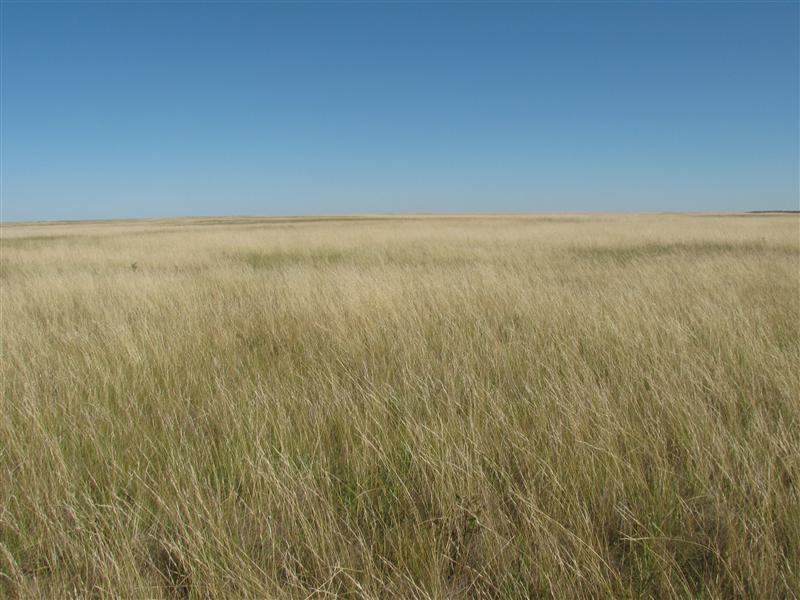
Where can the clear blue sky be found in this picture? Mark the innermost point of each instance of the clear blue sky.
(141, 109)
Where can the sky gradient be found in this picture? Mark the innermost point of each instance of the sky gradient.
(165, 109)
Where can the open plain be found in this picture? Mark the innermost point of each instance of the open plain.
(552, 405)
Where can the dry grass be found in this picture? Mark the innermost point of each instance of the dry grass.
(430, 407)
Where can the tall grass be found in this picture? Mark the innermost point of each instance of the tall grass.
(429, 407)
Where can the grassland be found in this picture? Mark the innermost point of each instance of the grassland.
(422, 407)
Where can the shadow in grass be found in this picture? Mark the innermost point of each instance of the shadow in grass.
(175, 575)
(749, 214)
(321, 259)
(36, 241)
(279, 260)
(391, 219)
(627, 254)
(548, 220)
(315, 220)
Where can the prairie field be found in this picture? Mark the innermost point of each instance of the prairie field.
(504, 406)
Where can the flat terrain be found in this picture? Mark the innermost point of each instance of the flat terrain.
(411, 407)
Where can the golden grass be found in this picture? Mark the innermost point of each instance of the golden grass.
(429, 407)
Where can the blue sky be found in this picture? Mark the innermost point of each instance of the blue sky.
(114, 109)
